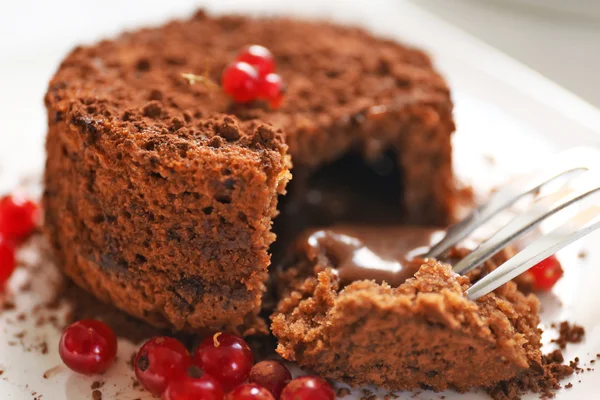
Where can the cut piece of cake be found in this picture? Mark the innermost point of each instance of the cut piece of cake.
(423, 333)
(160, 194)
(169, 227)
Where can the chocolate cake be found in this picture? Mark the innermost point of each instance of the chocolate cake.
(339, 316)
(160, 195)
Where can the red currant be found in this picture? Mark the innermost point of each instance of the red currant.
(271, 89)
(249, 391)
(88, 347)
(159, 361)
(308, 388)
(7, 259)
(259, 57)
(546, 273)
(18, 216)
(226, 357)
(272, 375)
(240, 81)
(186, 387)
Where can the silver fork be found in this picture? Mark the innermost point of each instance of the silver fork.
(566, 165)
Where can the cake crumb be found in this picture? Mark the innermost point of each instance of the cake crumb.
(343, 392)
(568, 385)
(42, 347)
(97, 385)
(97, 395)
(543, 379)
(7, 305)
(575, 365)
(568, 333)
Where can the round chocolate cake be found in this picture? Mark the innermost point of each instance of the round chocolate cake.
(160, 195)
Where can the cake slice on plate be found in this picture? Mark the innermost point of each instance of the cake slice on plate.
(338, 318)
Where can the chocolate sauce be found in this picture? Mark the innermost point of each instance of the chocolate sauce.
(379, 253)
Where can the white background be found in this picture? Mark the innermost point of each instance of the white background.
(558, 38)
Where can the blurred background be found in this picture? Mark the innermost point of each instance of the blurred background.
(558, 38)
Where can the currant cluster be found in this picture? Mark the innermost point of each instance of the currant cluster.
(18, 219)
(252, 77)
(218, 370)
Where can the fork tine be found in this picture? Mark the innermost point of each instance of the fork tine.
(521, 224)
(567, 162)
(537, 251)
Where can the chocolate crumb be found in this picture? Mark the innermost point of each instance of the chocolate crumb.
(343, 392)
(542, 379)
(1, 372)
(97, 395)
(568, 333)
(97, 385)
(8, 305)
(20, 335)
(575, 365)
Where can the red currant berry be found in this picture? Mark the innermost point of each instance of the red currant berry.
(88, 347)
(546, 273)
(271, 89)
(7, 259)
(199, 386)
(272, 375)
(226, 357)
(308, 388)
(259, 57)
(159, 361)
(249, 391)
(18, 216)
(240, 81)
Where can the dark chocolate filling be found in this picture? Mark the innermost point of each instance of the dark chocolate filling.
(353, 189)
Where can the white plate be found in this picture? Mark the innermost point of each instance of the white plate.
(581, 8)
(503, 111)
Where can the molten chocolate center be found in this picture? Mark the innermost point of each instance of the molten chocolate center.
(374, 253)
